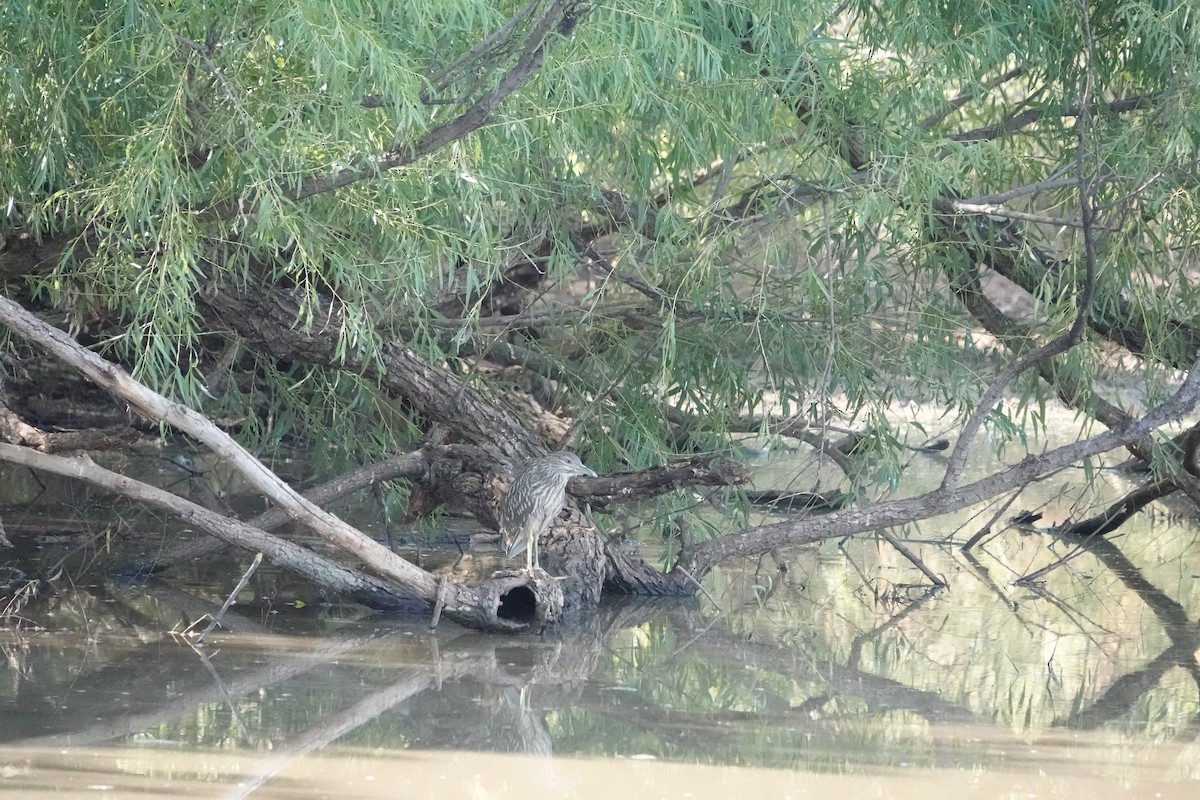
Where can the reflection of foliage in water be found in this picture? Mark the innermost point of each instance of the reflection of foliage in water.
(805, 669)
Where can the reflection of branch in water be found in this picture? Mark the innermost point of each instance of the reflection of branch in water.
(871, 635)
(1183, 633)
(152, 713)
(880, 693)
(1128, 689)
(521, 729)
(566, 660)
(1074, 615)
(985, 577)
(886, 534)
(230, 702)
(1102, 524)
(1032, 578)
(1169, 612)
(516, 726)
(330, 727)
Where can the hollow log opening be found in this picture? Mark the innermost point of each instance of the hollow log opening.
(518, 605)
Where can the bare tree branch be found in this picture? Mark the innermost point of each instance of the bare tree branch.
(1023, 119)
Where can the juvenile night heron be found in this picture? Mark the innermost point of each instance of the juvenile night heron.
(534, 500)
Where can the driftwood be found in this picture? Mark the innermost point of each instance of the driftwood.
(487, 606)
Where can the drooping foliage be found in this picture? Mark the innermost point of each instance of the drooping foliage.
(726, 210)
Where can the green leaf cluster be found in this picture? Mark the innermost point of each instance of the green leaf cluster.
(762, 269)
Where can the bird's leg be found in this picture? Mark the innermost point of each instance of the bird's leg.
(531, 556)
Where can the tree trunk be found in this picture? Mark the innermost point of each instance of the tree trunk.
(572, 550)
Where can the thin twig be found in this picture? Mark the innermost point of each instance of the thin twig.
(591, 407)
(1033, 577)
(903, 550)
(1086, 212)
(700, 586)
(439, 605)
(1021, 191)
(561, 16)
(498, 43)
(202, 52)
(216, 620)
(966, 97)
(986, 529)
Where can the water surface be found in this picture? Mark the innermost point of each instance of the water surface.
(787, 684)
(828, 671)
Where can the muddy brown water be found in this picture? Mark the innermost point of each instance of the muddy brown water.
(801, 684)
(837, 677)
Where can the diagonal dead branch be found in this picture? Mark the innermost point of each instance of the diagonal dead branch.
(157, 407)
(403, 465)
